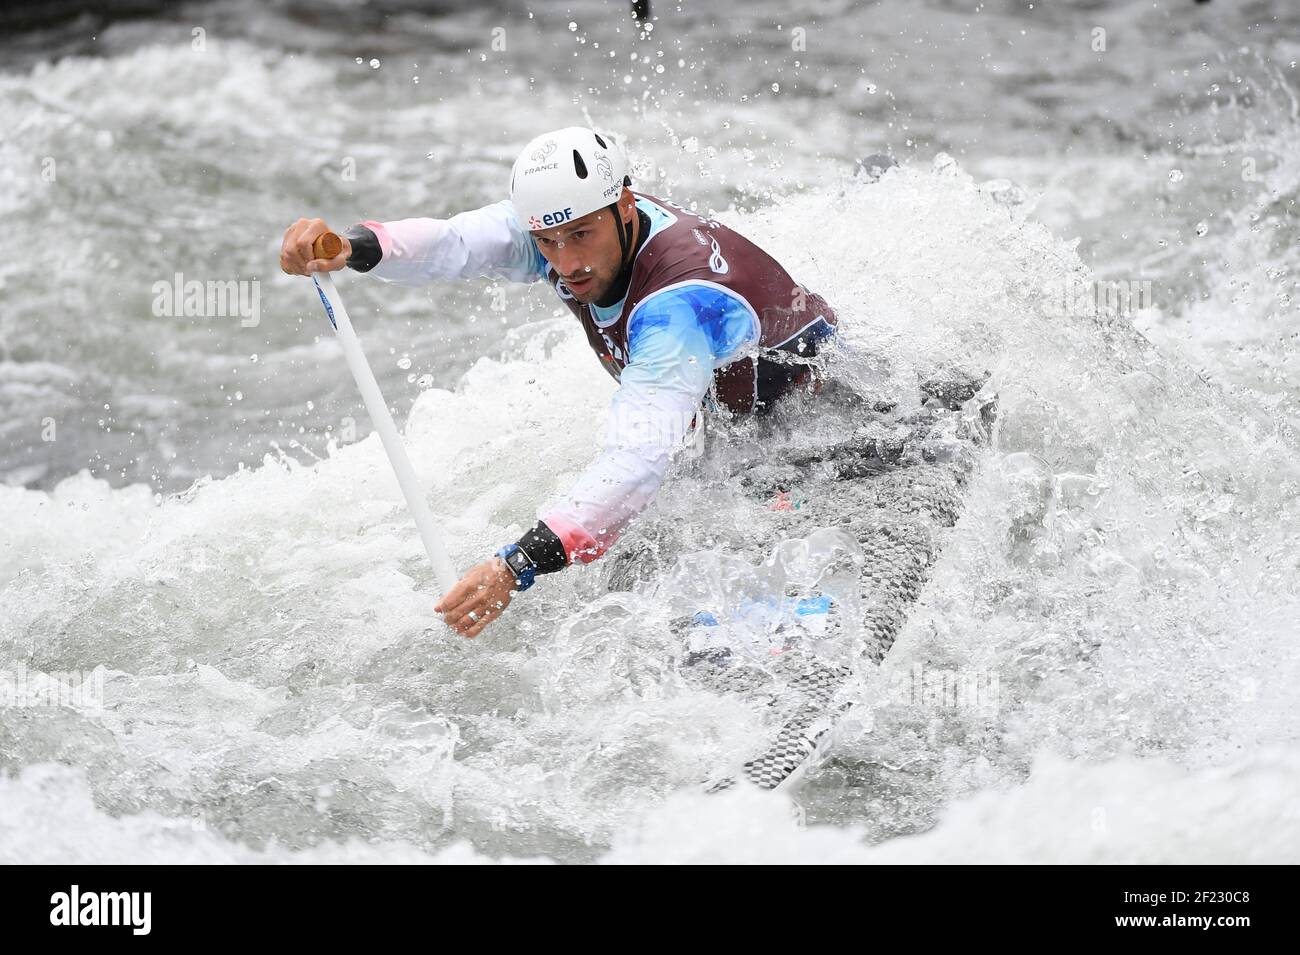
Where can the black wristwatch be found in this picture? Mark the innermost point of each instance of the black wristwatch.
(520, 564)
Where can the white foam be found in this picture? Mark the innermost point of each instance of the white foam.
(1120, 563)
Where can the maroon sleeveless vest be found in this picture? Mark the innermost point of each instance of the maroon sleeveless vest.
(791, 319)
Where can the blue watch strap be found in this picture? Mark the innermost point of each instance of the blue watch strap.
(525, 571)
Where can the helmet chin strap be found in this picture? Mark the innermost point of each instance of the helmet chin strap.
(618, 287)
(624, 237)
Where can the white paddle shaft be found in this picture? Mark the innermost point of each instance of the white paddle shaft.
(383, 422)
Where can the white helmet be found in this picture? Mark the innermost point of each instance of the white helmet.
(565, 174)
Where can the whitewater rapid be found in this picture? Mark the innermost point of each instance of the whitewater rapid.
(277, 687)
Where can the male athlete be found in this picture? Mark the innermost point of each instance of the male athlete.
(681, 311)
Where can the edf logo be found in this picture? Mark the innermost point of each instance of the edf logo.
(555, 218)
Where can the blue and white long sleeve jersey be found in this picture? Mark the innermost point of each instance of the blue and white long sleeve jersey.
(676, 339)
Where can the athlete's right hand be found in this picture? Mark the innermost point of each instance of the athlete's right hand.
(295, 252)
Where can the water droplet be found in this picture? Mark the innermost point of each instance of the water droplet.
(311, 406)
(425, 381)
(359, 61)
(404, 362)
(1202, 228)
(374, 64)
(945, 165)
(1175, 175)
(253, 358)
(776, 87)
(573, 27)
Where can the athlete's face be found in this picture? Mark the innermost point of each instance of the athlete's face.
(586, 251)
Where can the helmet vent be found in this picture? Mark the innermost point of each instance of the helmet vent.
(599, 140)
(579, 166)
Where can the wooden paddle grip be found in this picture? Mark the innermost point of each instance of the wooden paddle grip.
(326, 246)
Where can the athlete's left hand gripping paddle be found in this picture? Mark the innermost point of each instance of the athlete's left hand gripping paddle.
(327, 246)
